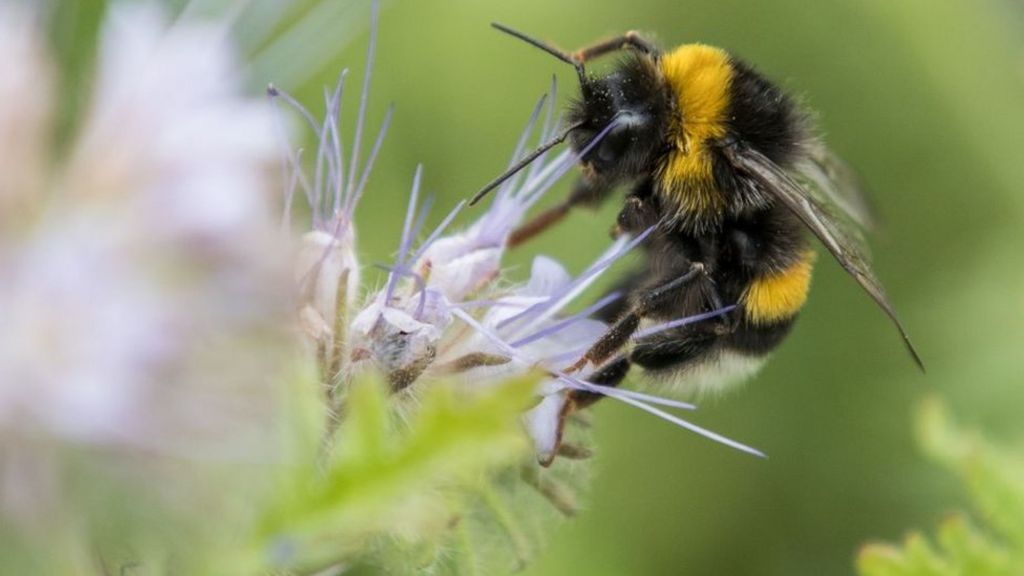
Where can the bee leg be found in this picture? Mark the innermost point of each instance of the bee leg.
(539, 223)
(628, 284)
(586, 191)
(728, 322)
(631, 39)
(675, 348)
(611, 374)
(612, 340)
(623, 329)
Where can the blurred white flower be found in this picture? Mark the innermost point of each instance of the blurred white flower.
(145, 305)
(26, 112)
(166, 122)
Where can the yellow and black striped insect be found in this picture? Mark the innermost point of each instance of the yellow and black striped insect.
(727, 170)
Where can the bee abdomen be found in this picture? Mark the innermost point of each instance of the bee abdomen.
(776, 296)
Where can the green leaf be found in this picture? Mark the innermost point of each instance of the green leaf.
(994, 479)
(970, 550)
(401, 470)
(916, 558)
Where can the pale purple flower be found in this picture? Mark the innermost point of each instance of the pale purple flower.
(461, 263)
(446, 312)
(327, 266)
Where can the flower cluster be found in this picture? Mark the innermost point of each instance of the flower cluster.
(445, 311)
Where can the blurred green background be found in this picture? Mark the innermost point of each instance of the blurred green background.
(925, 98)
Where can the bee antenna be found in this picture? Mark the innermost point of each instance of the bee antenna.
(524, 162)
(561, 55)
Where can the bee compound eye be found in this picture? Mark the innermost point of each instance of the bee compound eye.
(613, 146)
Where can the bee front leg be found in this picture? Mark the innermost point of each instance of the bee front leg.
(586, 192)
(619, 334)
(631, 39)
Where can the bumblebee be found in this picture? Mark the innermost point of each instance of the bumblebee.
(726, 176)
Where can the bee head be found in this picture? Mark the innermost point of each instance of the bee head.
(618, 125)
(634, 101)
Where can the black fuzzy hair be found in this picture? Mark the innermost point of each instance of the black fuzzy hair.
(764, 117)
(634, 96)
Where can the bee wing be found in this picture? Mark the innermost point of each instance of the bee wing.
(840, 238)
(832, 182)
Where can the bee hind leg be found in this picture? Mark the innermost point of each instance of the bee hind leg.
(611, 375)
(676, 349)
(619, 334)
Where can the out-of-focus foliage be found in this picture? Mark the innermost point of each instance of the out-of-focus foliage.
(393, 492)
(994, 479)
(391, 488)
